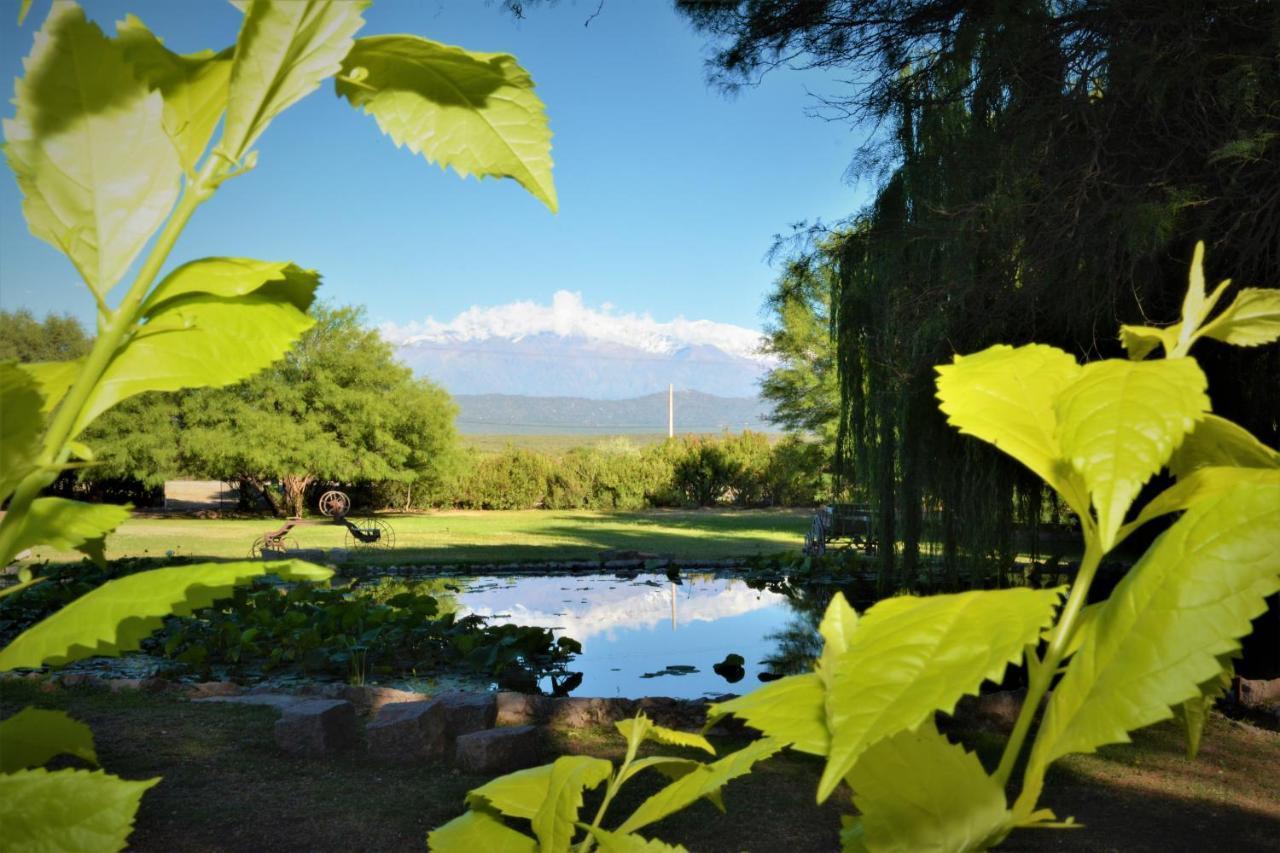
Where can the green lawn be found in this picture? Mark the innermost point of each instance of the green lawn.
(483, 537)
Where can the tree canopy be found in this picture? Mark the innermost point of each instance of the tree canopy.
(56, 338)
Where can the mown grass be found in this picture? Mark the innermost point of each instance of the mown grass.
(226, 787)
(481, 537)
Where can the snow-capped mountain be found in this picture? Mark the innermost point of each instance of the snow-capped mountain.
(570, 349)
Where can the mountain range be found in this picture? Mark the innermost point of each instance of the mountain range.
(695, 412)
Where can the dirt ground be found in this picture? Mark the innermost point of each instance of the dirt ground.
(227, 788)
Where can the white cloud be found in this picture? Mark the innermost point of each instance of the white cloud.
(569, 316)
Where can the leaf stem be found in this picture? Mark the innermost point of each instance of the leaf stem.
(114, 333)
(1043, 674)
(614, 785)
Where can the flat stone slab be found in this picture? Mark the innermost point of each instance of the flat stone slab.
(315, 727)
(496, 751)
(426, 731)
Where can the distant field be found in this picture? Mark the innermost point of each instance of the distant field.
(558, 443)
(460, 536)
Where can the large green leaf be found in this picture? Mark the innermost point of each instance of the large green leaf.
(1218, 442)
(1194, 713)
(672, 768)
(791, 709)
(34, 735)
(229, 278)
(913, 656)
(476, 112)
(65, 523)
(1005, 396)
(87, 144)
(68, 810)
(284, 51)
(1249, 321)
(1199, 485)
(195, 86)
(117, 616)
(556, 820)
(916, 791)
(1158, 637)
(479, 832)
(54, 379)
(518, 794)
(20, 426)
(195, 339)
(702, 782)
(1119, 422)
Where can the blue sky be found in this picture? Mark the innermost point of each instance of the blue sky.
(669, 192)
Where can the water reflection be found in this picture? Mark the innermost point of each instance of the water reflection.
(644, 635)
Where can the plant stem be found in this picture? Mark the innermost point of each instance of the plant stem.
(120, 323)
(1044, 674)
(614, 784)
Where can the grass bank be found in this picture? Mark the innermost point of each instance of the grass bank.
(462, 536)
(227, 788)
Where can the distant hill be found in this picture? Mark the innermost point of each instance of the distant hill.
(695, 412)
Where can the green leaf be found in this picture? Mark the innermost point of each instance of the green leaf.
(1194, 713)
(194, 86)
(1120, 421)
(54, 379)
(87, 144)
(475, 832)
(1218, 442)
(913, 656)
(1158, 637)
(556, 819)
(1140, 341)
(23, 10)
(1251, 320)
(518, 794)
(1005, 396)
(917, 791)
(1199, 485)
(791, 709)
(33, 736)
(701, 782)
(116, 617)
(617, 842)
(20, 427)
(195, 339)
(284, 51)
(68, 809)
(65, 523)
(476, 112)
(672, 768)
(650, 731)
(229, 278)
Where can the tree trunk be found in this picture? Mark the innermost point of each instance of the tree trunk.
(263, 489)
(295, 492)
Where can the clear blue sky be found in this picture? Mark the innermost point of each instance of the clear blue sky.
(669, 192)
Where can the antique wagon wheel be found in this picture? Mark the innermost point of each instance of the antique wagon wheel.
(334, 504)
(370, 533)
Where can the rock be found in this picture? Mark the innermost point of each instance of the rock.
(496, 751)
(522, 709)
(156, 684)
(578, 712)
(206, 689)
(316, 727)
(279, 701)
(416, 731)
(1259, 694)
(81, 679)
(118, 684)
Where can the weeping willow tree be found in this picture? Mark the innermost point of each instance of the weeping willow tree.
(1043, 169)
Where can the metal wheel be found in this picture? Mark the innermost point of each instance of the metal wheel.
(275, 549)
(374, 533)
(334, 504)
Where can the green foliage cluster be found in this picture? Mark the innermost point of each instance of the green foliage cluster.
(112, 164)
(742, 469)
(1160, 645)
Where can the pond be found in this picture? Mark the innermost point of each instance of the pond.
(644, 635)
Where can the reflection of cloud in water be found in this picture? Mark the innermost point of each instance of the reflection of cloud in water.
(584, 607)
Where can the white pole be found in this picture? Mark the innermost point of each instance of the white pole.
(671, 411)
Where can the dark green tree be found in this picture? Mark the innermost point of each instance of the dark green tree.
(56, 338)
(338, 408)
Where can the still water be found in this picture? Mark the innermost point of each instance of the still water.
(642, 636)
